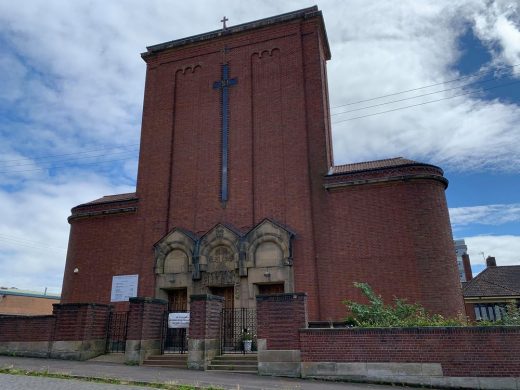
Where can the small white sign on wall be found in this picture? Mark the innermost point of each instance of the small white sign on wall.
(123, 287)
(178, 320)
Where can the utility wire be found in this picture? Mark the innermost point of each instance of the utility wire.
(66, 166)
(29, 244)
(428, 102)
(412, 97)
(68, 159)
(427, 86)
(72, 154)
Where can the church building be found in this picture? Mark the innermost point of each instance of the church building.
(237, 193)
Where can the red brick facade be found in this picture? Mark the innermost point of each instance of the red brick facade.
(279, 319)
(389, 226)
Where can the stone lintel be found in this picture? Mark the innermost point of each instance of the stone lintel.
(280, 297)
(156, 301)
(206, 297)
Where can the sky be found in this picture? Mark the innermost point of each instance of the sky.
(434, 81)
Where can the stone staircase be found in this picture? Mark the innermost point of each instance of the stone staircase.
(235, 363)
(168, 360)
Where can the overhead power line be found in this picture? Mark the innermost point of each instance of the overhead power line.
(69, 159)
(72, 154)
(428, 102)
(17, 241)
(66, 166)
(412, 97)
(429, 86)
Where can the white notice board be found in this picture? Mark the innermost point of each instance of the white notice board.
(123, 287)
(178, 320)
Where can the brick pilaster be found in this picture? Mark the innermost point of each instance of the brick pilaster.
(145, 328)
(204, 332)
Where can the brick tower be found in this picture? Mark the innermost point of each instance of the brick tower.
(238, 195)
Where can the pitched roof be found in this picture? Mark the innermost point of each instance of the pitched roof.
(494, 281)
(111, 198)
(28, 293)
(371, 165)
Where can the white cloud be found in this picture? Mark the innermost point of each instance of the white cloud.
(506, 249)
(495, 214)
(408, 45)
(72, 79)
(34, 229)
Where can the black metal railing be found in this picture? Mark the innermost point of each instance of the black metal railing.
(175, 340)
(237, 327)
(116, 332)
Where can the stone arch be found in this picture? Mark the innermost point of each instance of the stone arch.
(268, 254)
(177, 241)
(272, 237)
(223, 240)
(176, 262)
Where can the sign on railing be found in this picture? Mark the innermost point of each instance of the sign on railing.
(178, 320)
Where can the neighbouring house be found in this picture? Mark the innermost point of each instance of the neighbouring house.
(23, 302)
(488, 293)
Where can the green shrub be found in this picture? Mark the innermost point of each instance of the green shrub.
(400, 314)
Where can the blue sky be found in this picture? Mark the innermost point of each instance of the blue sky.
(72, 89)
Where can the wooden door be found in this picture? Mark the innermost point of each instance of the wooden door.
(178, 300)
(228, 293)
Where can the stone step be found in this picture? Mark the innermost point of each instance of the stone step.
(168, 357)
(170, 360)
(233, 368)
(237, 357)
(234, 362)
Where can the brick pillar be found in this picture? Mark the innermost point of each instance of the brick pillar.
(145, 328)
(204, 332)
(279, 319)
(79, 331)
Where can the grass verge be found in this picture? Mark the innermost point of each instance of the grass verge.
(112, 381)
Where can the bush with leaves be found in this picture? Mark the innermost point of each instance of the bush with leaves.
(511, 315)
(400, 314)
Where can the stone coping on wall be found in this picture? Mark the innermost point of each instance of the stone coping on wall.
(206, 297)
(419, 329)
(148, 300)
(280, 297)
(78, 305)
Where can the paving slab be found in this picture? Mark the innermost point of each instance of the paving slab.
(175, 375)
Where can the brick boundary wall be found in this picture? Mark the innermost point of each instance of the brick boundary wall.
(15, 328)
(80, 321)
(279, 316)
(461, 351)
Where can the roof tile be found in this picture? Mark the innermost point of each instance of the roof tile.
(494, 281)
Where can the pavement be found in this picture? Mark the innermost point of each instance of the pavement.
(145, 374)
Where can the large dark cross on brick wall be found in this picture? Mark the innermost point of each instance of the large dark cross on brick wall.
(223, 85)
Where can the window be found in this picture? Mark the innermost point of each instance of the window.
(489, 311)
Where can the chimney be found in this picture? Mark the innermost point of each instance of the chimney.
(491, 262)
(467, 267)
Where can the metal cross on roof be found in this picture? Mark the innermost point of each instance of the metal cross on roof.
(224, 20)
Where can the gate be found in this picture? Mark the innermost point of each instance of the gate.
(116, 332)
(237, 325)
(175, 339)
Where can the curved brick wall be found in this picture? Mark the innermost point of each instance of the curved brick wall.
(100, 246)
(394, 234)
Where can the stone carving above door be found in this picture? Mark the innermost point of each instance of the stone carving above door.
(224, 249)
